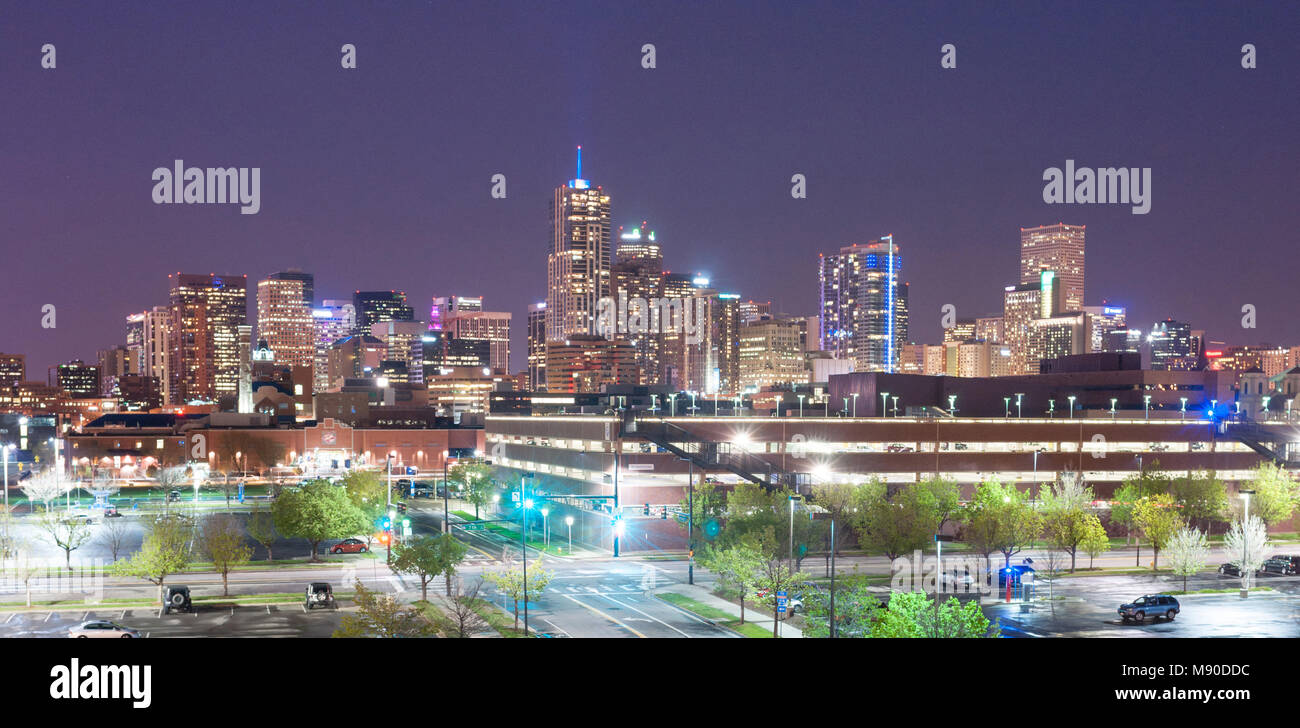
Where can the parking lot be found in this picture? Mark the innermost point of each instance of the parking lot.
(276, 620)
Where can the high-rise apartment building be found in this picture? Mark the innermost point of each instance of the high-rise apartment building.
(77, 378)
(114, 364)
(372, 307)
(203, 355)
(864, 305)
(492, 327)
(989, 328)
(334, 319)
(537, 347)
(1101, 321)
(1061, 335)
(961, 330)
(285, 322)
(135, 339)
(585, 363)
(1058, 248)
(307, 280)
(1171, 345)
(970, 358)
(1022, 304)
(771, 353)
(637, 279)
(155, 346)
(445, 307)
(578, 262)
(403, 344)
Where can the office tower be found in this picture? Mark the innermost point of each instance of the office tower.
(135, 340)
(445, 307)
(13, 369)
(77, 378)
(578, 263)
(864, 305)
(722, 354)
(989, 328)
(1021, 305)
(771, 353)
(537, 347)
(911, 359)
(354, 357)
(1058, 248)
(334, 319)
(155, 346)
(139, 392)
(1171, 345)
(373, 307)
(961, 330)
(1125, 341)
(285, 322)
(1061, 335)
(936, 360)
(754, 310)
(681, 365)
(244, 401)
(969, 358)
(585, 363)
(1101, 321)
(203, 356)
(403, 343)
(307, 280)
(638, 280)
(492, 327)
(115, 363)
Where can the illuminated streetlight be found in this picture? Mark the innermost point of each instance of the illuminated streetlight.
(568, 521)
(1183, 410)
(1007, 412)
(1146, 406)
(855, 404)
(1019, 396)
(884, 403)
(1071, 398)
(1113, 400)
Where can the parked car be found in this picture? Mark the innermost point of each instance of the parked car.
(173, 495)
(112, 512)
(319, 594)
(1278, 565)
(1292, 562)
(177, 599)
(349, 546)
(1232, 570)
(403, 484)
(98, 628)
(422, 490)
(78, 518)
(1152, 605)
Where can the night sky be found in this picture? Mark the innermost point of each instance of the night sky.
(379, 177)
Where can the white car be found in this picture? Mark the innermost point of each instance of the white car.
(102, 628)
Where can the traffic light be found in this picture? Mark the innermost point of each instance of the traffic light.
(386, 523)
(382, 537)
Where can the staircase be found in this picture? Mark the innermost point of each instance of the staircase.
(1278, 443)
(715, 455)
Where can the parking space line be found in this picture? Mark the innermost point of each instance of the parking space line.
(11, 616)
(47, 616)
(638, 611)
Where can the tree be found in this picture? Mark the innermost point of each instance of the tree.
(1095, 541)
(738, 567)
(1187, 552)
(45, 486)
(855, 609)
(942, 496)
(24, 565)
(1200, 496)
(775, 576)
(509, 580)
(753, 512)
(268, 450)
(837, 500)
(427, 557)
(381, 615)
(1245, 545)
(462, 611)
(1000, 518)
(1158, 519)
(475, 479)
(66, 533)
(112, 535)
(914, 614)
(223, 542)
(166, 550)
(1276, 494)
(1150, 480)
(170, 479)
(316, 511)
(898, 524)
(368, 491)
(1065, 514)
(261, 528)
(707, 502)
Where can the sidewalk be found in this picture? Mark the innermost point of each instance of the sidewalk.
(704, 596)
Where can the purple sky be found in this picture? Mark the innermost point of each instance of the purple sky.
(379, 177)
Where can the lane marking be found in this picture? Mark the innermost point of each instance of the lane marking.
(557, 627)
(638, 611)
(606, 616)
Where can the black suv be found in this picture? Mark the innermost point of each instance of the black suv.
(1284, 565)
(1152, 605)
(319, 594)
(1232, 570)
(177, 599)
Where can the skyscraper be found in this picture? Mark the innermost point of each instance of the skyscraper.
(155, 345)
(863, 305)
(285, 321)
(203, 349)
(1171, 345)
(373, 307)
(1101, 321)
(13, 369)
(77, 378)
(1058, 248)
(307, 280)
(491, 327)
(1022, 304)
(135, 340)
(537, 347)
(638, 276)
(334, 319)
(578, 263)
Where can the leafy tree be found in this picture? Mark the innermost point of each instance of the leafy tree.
(316, 511)
(1095, 541)
(837, 499)
(775, 576)
(1200, 496)
(1065, 514)
(69, 534)
(509, 580)
(1187, 552)
(757, 515)
(222, 540)
(166, 550)
(855, 608)
(1000, 518)
(368, 492)
(261, 528)
(1148, 481)
(1158, 518)
(710, 504)
(898, 524)
(1245, 544)
(24, 566)
(428, 556)
(1276, 494)
(914, 614)
(738, 567)
(45, 486)
(475, 479)
(943, 496)
(381, 615)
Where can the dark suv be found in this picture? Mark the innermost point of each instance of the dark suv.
(1284, 565)
(1152, 605)
(1232, 570)
(177, 599)
(319, 594)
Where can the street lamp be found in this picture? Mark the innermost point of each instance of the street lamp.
(1266, 399)
(446, 495)
(1146, 406)
(1113, 400)
(855, 404)
(568, 521)
(1007, 412)
(672, 401)
(1183, 410)
(5, 449)
(1245, 514)
(884, 403)
(1051, 409)
(895, 398)
(693, 407)
(952, 405)
(546, 532)
(523, 540)
(1019, 396)
(1071, 398)
(654, 403)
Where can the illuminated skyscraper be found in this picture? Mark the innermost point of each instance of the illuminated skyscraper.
(1171, 345)
(1023, 304)
(284, 321)
(332, 320)
(203, 345)
(1057, 248)
(864, 305)
(537, 347)
(1101, 321)
(638, 279)
(373, 307)
(578, 262)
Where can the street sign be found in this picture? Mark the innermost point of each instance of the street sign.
(472, 526)
(781, 601)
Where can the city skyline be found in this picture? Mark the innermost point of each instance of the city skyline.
(414, 213)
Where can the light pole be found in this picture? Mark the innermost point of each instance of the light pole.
(1071, 398)
(801, 405)
(1183, 410)
(1113, 400)
(654, 403)
(846, 406)
(895, 398)
(525, 504)
(1006, 413)
(568, 521)
(1019, 397)
(1245, 514)
(672, 403)
(1036, 475)
(884, 403)
(446, 495)
(855, 405)
(1146, 406)
(952, 405)
(690, 517)
(1051, 409)
(1266, 399)
(5, 449)
(693, 407)
(546, 532)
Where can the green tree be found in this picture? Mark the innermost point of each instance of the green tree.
(1095, 541)
(317, 511)
(509, 580)
(913, 614)
(69, 534)
(756, 515)
(475, 480)
(1187, 552)
(709, 504)
(1158, 518)
(381, 615)
(1200, 496)
(1000, 518)
(166, 550)
(222, 540)
(775, 576)
(1276, 494)
(837, 500)
(1065, 514)
(738, 567)
(856, 606)
(428, 556)
(261, 528)
(896, 524)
